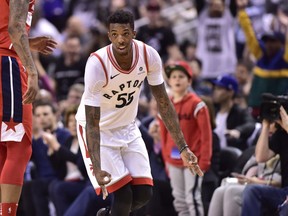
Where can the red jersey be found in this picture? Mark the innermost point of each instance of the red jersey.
(6, 46)
(194, 121)
(15, 117)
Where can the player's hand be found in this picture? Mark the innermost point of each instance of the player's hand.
(32, 89)
(190, 160)
(44, 44)
(103, 178)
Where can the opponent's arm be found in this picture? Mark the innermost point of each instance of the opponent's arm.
(171, 122)
(18, 34)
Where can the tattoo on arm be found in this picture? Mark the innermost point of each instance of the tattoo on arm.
(93, 135)
(168, 114)
(18, 11)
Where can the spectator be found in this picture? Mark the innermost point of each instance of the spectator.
(199, 85)
(35, 192)
(244, 79)
(45, 81)
(216, 42)
(158, 35)
(258, 14)
(195, 123)
(73, 98)
(69, 68)
(211, 176)
(271, 60)
(234, 125)
(258, 197)
(227, 199)
(67, 161)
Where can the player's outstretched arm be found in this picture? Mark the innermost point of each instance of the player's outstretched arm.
(93, 145)
(171, 122)
(18, 12)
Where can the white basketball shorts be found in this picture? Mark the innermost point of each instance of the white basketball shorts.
(125, 161)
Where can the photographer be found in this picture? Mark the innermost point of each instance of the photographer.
(256, 197)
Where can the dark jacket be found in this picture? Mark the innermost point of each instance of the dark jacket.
(59, 158)
(240, 119)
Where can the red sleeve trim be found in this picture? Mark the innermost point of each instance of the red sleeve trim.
(103, 65)
(146, 57)
(85, 145)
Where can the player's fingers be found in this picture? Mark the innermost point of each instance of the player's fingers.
(192, 160)
(192, 170)
(104, 192)
(197, 170)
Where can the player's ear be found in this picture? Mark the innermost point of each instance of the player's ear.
(134, 34)
(108, 34)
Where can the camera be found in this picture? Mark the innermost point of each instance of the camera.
(270, 106)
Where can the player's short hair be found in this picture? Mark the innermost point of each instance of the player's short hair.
(122, 17)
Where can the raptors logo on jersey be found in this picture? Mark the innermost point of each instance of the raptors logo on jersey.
(118, 90)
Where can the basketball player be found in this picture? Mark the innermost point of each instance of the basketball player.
(18, 87)
(113, 150)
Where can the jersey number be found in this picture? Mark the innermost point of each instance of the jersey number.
(125, 99)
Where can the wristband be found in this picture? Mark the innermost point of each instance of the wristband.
(183, 148)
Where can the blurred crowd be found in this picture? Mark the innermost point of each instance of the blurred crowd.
(233, 51)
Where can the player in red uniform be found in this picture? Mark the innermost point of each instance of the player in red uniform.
(18, 87)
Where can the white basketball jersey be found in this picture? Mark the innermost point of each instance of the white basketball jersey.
(115, 90)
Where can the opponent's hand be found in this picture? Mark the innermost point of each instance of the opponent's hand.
(190, 160)
(42, 44)
(103, 178)
(32, 90)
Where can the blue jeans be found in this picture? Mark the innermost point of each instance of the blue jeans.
(258, 197)
(63, 193)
